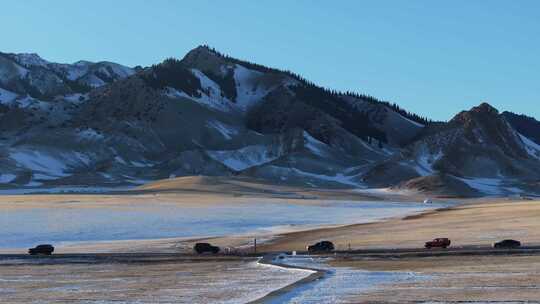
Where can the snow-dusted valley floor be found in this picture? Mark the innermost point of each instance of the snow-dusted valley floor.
(68, 220)
(75, 221)
(222, 282)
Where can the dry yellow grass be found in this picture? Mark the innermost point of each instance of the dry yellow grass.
(469, 224)
(455, 279)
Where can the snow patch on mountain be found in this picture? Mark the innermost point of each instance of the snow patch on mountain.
(30, 60)
(76, 98)
(140, 164)
(7, 178)
(411, 121)
(243, 158)
(209, 102)
(26, 102)
(338, 178)
(210, 88)
(40, 162)
(90, 134)
(49, 165)
(315, 146)
(248, 91)
(11, 70)
(7, 97)
(489, 186)
(533, 149)
(116, 69)
(226, 130)
(425, 161)
(74, 71)
(93, 81)
(120, 160)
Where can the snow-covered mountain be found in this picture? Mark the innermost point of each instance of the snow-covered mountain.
(209, 114)
(477, 151)
(29, 74)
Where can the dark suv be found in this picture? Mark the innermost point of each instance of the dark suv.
(44, 249)
(201, 248)
(507, 244)
(323, 246)
(438, 242)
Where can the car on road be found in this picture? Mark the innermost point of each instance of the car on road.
(43, 249)
(201, 248)
(438, 243)
(323, 246)
(507, 244)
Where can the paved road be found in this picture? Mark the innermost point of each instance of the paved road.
(423, 252)
(92, 258)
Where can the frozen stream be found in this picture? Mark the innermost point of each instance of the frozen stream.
(339, 284)
(23, 227)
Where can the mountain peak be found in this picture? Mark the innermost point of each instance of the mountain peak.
(480, 112)
(29, 59)
(202, 48)
(485, 108)
(200, 53)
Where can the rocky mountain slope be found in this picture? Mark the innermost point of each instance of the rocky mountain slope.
(103, 124)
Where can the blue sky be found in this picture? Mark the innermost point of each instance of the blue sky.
(432, 57)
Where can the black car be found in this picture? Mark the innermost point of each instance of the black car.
(201, 248)
(507, 244)
(44, 249)
(323, 246)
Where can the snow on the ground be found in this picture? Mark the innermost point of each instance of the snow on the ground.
(243, 158)
(425, 161)
(489, 186)
(210, 88)
(249, 92)
(226, 130)
(12, 71)
(31, 59)
(7, 97)
(59, 189)
(217, 104)
(339, 283)
(120, 160)
(76, 70)
(40, 162)
(141, 164)
(89, 134)
(7, 178)
(532, 148)
(48, 166)
(338, 178)
(25, 102)
(76, 98)
(315, 146)
(93, 81)
(385, 150)
(117, 69)
(411, 121)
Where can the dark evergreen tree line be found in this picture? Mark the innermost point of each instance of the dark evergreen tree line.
(172, 73)
(328, 92)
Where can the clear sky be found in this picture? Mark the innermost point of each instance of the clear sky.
(434, 58)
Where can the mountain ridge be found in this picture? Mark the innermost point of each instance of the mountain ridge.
(211, 114)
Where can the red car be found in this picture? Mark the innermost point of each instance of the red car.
(438, 242)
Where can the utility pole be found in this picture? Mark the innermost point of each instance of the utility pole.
(255, 245)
